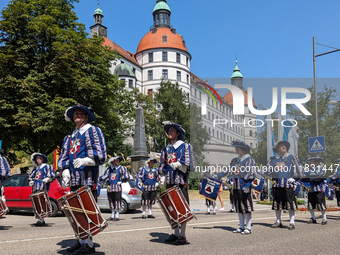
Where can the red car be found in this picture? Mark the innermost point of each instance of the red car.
(17, 193)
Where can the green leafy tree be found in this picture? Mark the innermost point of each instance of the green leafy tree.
(173, 105)
(47, 64)
(329, 126)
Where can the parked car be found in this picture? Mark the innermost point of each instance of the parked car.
(131, 197)
(17, 193)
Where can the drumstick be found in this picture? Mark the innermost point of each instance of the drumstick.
(164, 160)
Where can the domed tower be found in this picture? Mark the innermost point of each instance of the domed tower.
(98, 27)
(250, 132)
(162, 53)
(237, 77)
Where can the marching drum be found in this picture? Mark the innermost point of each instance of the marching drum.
(83, 213)
(210, 187)
(3, 208)
(175, 207)
(41, 204)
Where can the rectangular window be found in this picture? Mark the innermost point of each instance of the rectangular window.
(187, 61)
(150, 75)
(188, 78)
(150, 57)
(130, 83)
(178, 58)
(250, 133)
(251, 145)
(165, 56)
(165, 74)
(178, 75)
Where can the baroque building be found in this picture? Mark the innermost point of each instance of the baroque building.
(163, 54)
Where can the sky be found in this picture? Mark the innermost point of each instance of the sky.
(271, 39)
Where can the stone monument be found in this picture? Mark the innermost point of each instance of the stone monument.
(139, 151)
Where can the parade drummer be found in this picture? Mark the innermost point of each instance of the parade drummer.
(150, 179)
(284, 167)
(114, 175)
(242, 169)
(82, 153)
(5, 171)
(40, 178)
(335, 180)
(177, 159)
(315, 175)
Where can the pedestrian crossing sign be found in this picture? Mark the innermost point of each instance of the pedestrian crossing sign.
(316, 144)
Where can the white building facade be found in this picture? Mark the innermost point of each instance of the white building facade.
(162, 54)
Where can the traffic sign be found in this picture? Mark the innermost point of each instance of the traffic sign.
(316, 144)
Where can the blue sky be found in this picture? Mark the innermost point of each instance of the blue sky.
(272, 39)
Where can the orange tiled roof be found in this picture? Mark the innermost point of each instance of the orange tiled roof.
(152, 41)
(229, 98)
(124, 53)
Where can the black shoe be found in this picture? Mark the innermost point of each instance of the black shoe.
(40, 223)
(74, 247)
(311, 221)
(143, 216)
(181, 240)
(207, 213)
(276, 225)
(172, 238)
(232, 210)
(291, 226)
(151, 216)
(116, 219)
(111, 218)
(85, 249)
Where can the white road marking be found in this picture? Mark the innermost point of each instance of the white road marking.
(190, 224)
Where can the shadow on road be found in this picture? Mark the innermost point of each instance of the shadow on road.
(5, 227)
(70, 242)
(160, 238)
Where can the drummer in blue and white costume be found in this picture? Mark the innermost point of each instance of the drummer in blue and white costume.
(284, 168)
(335, 180)
(5, 171)
(177, 159)
(40, 177)
(315, 175)
(150, 179)
(114, 175)
(242, 169)
(82, 153)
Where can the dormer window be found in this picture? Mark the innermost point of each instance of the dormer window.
(165, 38)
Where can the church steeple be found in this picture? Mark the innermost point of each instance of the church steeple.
(237, 77)
(161, 14)
(98, 27)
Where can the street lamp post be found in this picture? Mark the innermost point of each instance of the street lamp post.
(315, 91)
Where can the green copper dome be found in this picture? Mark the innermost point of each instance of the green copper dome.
(161, 5)
(98, 11)
(236, 72)
(124, 70)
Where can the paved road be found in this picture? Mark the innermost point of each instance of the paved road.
(209, 234)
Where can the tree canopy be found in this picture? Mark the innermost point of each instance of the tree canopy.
(329, 126)
(47, 64)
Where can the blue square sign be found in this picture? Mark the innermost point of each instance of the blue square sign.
(316, 144)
